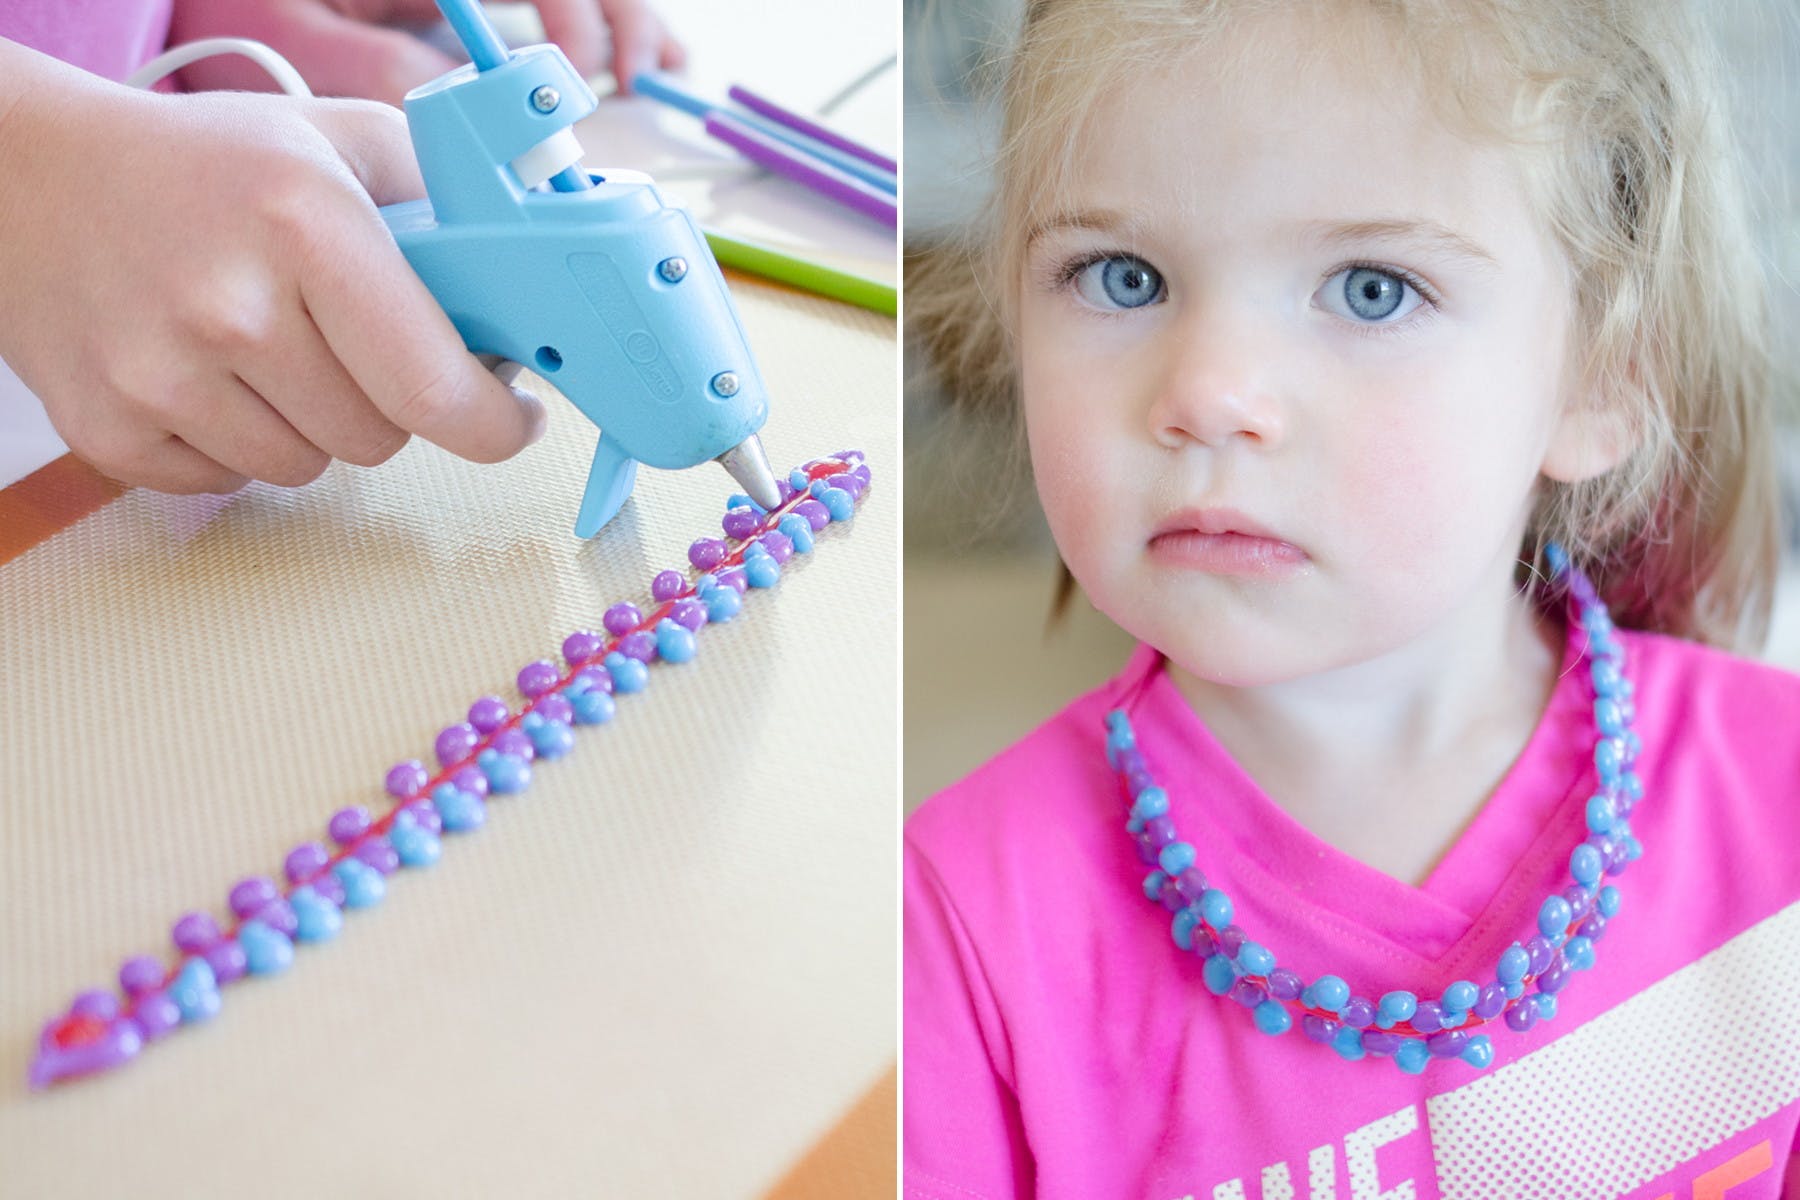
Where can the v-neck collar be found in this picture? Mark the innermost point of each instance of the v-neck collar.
(1504, 862)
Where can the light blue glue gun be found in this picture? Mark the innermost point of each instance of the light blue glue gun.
(594, 283)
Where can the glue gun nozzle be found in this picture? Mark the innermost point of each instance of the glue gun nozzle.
(750, 467)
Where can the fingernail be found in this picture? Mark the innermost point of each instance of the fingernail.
(540, 417)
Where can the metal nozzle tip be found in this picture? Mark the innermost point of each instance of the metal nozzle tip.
(750, 467)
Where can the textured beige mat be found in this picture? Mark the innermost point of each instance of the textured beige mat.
(664, 970)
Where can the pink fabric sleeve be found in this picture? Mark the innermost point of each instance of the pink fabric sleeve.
(964, 1139)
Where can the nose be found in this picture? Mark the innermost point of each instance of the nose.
(1218, 384)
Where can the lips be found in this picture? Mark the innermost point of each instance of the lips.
(1223, 541)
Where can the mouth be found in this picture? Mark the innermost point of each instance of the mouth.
(1223, 541)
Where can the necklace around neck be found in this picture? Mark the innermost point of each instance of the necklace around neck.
(1400, 1024)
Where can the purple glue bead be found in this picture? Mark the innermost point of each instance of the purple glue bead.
(96, 1003)
(667, 585)
(488, 714)
(1202, 941)
(1539, 953)
(1448, 1044)
(554, 707)
(516, 742)
(1285, 984)
(536, 678)
(784, 489)
(1319, 1029)
(690, 614)
(707, 553)
(848, 482)
(304, 861)
(1522, 1015)
(194, 932)
(379, 853)
(248, 895)
(227, 960)
(816, 514)
(1191, 883)
(583, 644)
(1555, 977)
(1171, 899)
(735, 580)
(1230, 939)
(640, 645)
(140, 974)
(1248, 993)
(1581, 901)
(1428, 1017)
(455, 743)
(348, 824)
(598, 678)
(406, 779)
(424, 814)
(279, 915)
(740, 522)
(863, 473)
(621, 619)
(1358, 1013)
(327, 886)
(1380, 1042)
(471, 779)
(779, 545)
(1159, 831)
(1146, 849)
(156, 1014)
(1492, 1001)
(1593, 927)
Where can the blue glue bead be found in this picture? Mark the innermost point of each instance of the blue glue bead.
(1600, 812)
(505, 772)
(1609, 756)
(1153, 883)
(722, 604)
(1461, 996)
(1412, 1056)
(1479, 1053)
(1134, 825)
(316, 919)
(460, 811)
(1585, 865)
(628, 674)
(1607, 716)
(1330, 992)
(1176, 857)
(1254, 959)
(1634, 849)
(195, 990)
(799, 531)
(416, 845)
(266, 951)
(363, 885)
(551, 739)
(1272, 1017)
(1579, 953)
(1182, 927)
(1607, 901)
(1348, 1043)
(1514, 962)
(1554, 916)
(1399, 1006)
(1546, 1004)
(1151, 803)
(797, 480)
(1218, 975)
(838, 503)
(593, 707)
(1215, 906)
(817, 488)
(761, 572)
(1450, 1018)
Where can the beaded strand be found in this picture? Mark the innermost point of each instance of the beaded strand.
(490, 753)
(1400, 1025)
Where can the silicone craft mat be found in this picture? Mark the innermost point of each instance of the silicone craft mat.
(667, 969)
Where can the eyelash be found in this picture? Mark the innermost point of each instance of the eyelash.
(1061, 278)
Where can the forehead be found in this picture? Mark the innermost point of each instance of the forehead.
(1286, 118)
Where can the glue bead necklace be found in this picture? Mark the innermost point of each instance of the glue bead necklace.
(1409, 1028)
(491, 753)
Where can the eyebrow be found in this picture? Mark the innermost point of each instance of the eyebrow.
(1430, 234)
(1104, 220)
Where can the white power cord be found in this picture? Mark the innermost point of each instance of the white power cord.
(171, 61)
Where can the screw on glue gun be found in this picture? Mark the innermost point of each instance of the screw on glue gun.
(588, 278)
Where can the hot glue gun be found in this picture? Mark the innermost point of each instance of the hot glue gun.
(588, 278)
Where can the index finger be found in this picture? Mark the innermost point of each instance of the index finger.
(575, 26)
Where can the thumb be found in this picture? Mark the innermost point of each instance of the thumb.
(373, 141)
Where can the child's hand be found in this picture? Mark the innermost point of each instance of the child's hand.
(201, 292)
(341, 48)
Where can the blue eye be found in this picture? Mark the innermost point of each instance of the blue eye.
(1123, 281)
(1368, 295)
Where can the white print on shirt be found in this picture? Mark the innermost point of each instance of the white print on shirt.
(1687, 1064)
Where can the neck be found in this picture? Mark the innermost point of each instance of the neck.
(1469, 690)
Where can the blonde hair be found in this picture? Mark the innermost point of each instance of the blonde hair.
(1623, 105)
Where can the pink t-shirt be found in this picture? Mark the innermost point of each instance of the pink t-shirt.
(111, 38)
(1058, 1044)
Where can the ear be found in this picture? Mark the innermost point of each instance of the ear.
(1594, 434)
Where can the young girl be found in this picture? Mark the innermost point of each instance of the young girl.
(1387, 867)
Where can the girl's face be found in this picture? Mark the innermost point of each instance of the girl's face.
(1292, 361)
